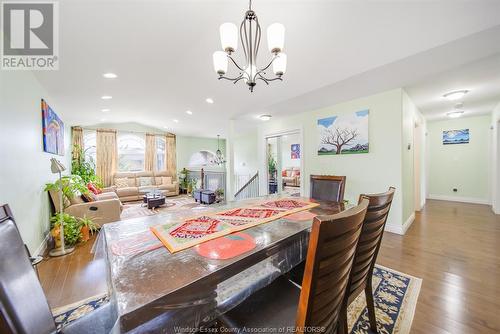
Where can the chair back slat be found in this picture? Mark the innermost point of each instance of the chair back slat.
(23, 305)
(369, 241)
(327, 187)
(330, 255)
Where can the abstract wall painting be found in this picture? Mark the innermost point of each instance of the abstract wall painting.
(53, 131)
(344, 134)
(451, 137)
(295, 151)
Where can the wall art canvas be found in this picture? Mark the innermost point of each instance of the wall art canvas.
(344, 134)
(53, 131)
(451, 137)
(295, 151)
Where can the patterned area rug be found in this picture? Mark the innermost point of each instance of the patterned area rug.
(138, 209)
(395, 295)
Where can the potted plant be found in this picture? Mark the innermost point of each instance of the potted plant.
(84, 168)
(72, 229)
(71, 186)
(183, 180)
(219, 193)
(191, 185)
(87, 228)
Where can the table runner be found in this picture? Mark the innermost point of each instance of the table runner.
(193, 231)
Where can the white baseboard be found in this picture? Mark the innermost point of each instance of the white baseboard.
(460, 199)
(400, 229)
(43, 246)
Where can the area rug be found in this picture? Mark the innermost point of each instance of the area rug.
(177, 236)
(138, 209)
(395, 296)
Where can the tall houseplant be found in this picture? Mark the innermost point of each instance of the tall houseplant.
(71, 186)
(84, 168)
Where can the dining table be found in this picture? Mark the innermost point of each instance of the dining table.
(156, 291)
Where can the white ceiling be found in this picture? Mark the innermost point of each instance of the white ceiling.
(481, 78)
(161, 51)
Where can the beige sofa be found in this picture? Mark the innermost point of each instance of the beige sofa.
(291, 176)
(105, 209)
(131, 186)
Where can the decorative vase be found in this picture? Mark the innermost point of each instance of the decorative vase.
(55, 232)
(85, 233)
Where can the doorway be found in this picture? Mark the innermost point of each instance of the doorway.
(283, 160)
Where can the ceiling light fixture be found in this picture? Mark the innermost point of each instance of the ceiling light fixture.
(106, 97)
(209, 100)
(110, 75)
(455, 95)
(189, 112)
(250, 34)
(219, 158)
(176, 121)
(455, 113)
(105, 110)
(265, 117)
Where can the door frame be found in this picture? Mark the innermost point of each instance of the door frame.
(279, 134)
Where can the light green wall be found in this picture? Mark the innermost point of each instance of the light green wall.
(462, 166)
(366, 173)
(187, 146)
(245, 154)
(24, 167)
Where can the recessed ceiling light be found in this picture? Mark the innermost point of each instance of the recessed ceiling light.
(105, 110)
(265, 117)
(110, 75)
(189, 112)
(176, 121)
(455, 113)
(455, 95)
(106, 97)
(209, 100)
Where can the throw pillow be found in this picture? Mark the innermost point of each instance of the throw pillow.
(121, 182)
(93, 188)
(145, 181)
(165, 180)
(283, 173)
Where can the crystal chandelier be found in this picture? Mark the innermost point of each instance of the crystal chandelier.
(250, 34)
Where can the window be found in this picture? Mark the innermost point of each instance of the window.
(89, 146)
(161, 149)
(131, 151)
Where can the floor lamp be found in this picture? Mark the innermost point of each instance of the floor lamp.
(57, 168)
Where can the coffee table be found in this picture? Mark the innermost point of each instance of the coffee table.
(154, 200)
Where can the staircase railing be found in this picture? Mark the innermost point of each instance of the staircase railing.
(250, 189)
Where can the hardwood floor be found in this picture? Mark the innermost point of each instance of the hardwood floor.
(453, 247)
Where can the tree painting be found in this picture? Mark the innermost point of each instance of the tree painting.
(346, 134)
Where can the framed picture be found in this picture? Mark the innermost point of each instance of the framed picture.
(451, 137)
(53, 131)
(345, 134)
(295, 151)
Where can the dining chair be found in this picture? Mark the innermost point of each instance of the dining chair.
(318, 303)
(328, 187)
(24, 308)
(366, 254)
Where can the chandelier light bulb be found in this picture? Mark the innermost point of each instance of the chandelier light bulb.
(220, 62)
(276, 37)
(279, 64)
(229, 37)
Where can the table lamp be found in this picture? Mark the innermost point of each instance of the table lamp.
(57, 168)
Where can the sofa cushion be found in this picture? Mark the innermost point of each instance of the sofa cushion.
(168, 187)
(144, 181)
(163, 180)
(77, 199)
(124, 182)
(103, 196)
(127, 191)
